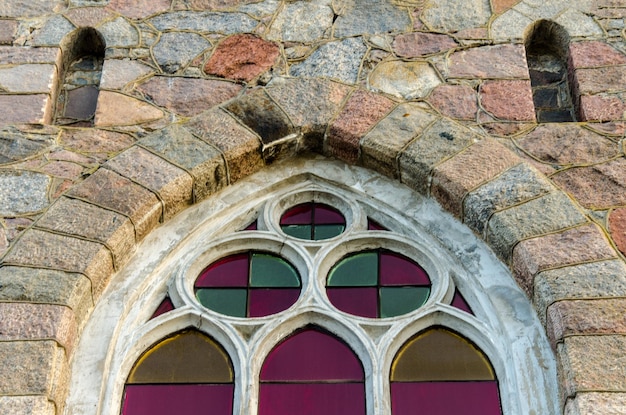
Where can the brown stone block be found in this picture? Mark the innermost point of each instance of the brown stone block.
(586, 317)
(32, 109)
(496, 98)
(203, 161)
(593, 54)
(22, 321)
(112, 191)
(240, 146)
(440, 141)
(617, 228)
(188, 96)
(593, 363)
(44, 286)
(590, 402)
(75, 217)
(39, 249)
(17, 55)
(26, 405)
(600, 187)
(476, 165)
(262, 115)
(574, 246)
(596, 80)
(601, 108)
(567, 143)
(310, 103)
(361, 112)
(101, 142)
(34, 368)
(119, 109)
(500, 6)
(418, 44)
(172, 184)
(489, 62)
(455, 101)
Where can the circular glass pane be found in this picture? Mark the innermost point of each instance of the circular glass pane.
(377, 284)
(250, 284)
(313, 221)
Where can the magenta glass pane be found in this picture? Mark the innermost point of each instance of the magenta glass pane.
(395, 269)
(298, 215)
(372, 225)
(178, 399)
(251, 227)
(326, 214)
(231, 271)
(312, 355)
(445, 398)
(459, 302)
(266, 301)
(312, 399)
(165, 306)
(360, 301)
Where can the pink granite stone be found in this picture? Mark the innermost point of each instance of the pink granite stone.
(508, 100)
(88, 16)
(500, 6)
(25, 109)
(617, 228)
(242, 57)
(416, 44)
(490, 62)
(139, 9)
(601, 108)
(455, 101)
(597, 80)
(593, 54)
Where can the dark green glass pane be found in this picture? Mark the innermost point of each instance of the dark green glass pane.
(395, 301)
(327, 231)
(360, 270)
(298, 231)
(271, 271)
(231, 302)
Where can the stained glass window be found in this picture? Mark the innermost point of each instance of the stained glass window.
(183, 374)
(313, 221)
(310, 373)
(377, 284)
(165, 306)
(249, 284)
(442, 373)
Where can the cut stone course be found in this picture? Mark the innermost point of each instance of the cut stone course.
(33, 405)
(15, 145)
(14, 55)
(489, 62)
(409, 80)
(601, 108)
(416, 44)
(605, 79)
(188, 96)
(110, 190)
(119, 109)
(546, 214)
(479, 163)
(139, 9)
(95, 141)
(242, 57)
(205, 22)
(594, 54)
(172, 184)
(28, 8)
(33, 109)
(28, 78)
(117, 73)
(455, 101)
(496, 98)
(88, 16)
(574, 246)
(590, 402)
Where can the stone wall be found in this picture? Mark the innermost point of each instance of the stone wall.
(196, 94)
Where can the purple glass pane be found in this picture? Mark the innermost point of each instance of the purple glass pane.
(312, 355)
(361, 301)
(327, 215)
(165, 306)
(266, 301)
(298, 215)
(251, 227)
(179, 399)
(445, 398)
(231, 271)
(395, 269)
(372, 225)
(312, 399)
(459, 302)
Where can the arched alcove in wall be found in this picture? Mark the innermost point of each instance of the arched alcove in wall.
(171, 259)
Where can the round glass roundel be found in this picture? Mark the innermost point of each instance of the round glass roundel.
(313, 221)
(377, 284)
(249, 284)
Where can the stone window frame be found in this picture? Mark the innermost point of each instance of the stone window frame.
(505, 325)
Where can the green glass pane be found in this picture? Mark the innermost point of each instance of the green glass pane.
(271, 271)
(231, 302)
(327, 231)
(395, 301)
(298, 231)
(360, 270)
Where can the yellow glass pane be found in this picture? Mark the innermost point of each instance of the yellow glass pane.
(186, 357)
(440, 355)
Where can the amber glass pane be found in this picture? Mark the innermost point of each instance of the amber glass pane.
(459, 302)
(396, 269)
(178, 399)
(440, 355)
(445, 398)
(312, 399)
(356, 270)
(186, 357)
(311, 355)
(272, 271)
(231, 271)
(165, 306)
(359, 301)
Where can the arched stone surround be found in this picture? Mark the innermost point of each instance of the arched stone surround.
(556, 244)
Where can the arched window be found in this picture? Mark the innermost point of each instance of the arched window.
(309, 373)
(83, 56)
(182, 374)
(547, 52)
(440, 372)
